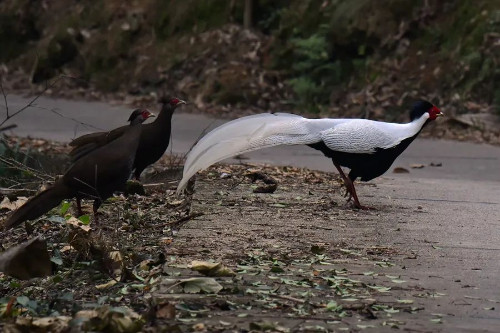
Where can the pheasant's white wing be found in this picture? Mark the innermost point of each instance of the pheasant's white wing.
(360, 136)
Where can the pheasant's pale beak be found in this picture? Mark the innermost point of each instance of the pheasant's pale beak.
(440, 114)
(151, 115)
(181, 102)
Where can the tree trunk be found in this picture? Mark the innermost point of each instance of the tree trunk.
(247, 15)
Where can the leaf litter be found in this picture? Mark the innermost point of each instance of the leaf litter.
(132, 272)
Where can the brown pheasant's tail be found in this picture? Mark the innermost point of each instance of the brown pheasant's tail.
(39, 204)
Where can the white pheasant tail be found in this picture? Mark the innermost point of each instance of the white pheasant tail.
(268, 130)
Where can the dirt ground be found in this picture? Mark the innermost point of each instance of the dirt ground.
(280, 278)
(306, 261)
(295, 278)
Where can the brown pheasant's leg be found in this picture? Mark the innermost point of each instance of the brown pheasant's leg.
(350, 188)
(95, 207)
(79, 207)
(137, 174)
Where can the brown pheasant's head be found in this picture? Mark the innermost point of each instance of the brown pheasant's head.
(175, 102)
(170, 104)
(141, 114)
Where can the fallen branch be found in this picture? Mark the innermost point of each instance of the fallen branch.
(180, 221)
(8, 127)
(156, 184)
(16, 192)
(289, 298)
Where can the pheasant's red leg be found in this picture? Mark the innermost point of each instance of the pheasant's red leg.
(350, 188)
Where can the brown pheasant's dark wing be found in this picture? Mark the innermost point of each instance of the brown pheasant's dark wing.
(90, 142)
(106, 168)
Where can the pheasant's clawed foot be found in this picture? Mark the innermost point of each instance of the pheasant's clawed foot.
(359, 206)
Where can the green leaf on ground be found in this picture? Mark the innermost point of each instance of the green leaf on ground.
(85, 219)
(64, 207)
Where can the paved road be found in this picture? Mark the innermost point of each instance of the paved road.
(459, 160)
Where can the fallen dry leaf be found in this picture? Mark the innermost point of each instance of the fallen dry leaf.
(166, 311)
(57, 324)
(110, 319)
(400, 170)
(199, 327)
(77, 223)
(51, 324)
(106, 285)
(417, 166)
(117, 264)
(12, 205)
(192, 285)
(67, 248)
(211, 268)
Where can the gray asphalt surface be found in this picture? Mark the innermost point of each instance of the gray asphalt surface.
(461, 201)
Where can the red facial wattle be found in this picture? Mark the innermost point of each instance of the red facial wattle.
(146, 114)
(434, 112)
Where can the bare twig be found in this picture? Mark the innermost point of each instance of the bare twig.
(17, 191)
(47, 87)
(153, 184)
(180, 221)
(289, 298)
(27, 156)
(20, 166)
(19, 185)
(4, 98)
(174, 285)
(78, 122)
